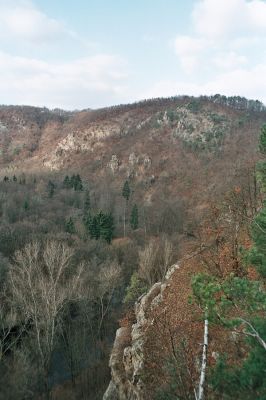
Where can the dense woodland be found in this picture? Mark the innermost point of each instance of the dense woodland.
(80, 245)
(68, 252)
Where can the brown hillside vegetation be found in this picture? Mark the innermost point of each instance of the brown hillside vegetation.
(186, 166)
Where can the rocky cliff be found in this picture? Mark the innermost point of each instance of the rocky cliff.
(127, 359)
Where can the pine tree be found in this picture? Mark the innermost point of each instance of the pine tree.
(66, 182)
(6, 179)
(99, 226)
(126, 191)
(78, 186)
(14, 178)
(126, 194)
(247, 298)
(72, 181)
(26, 205)
(95, 227)
(87, 202)
(69, 226)
(134, 217)
(51, 188)
(106, 224)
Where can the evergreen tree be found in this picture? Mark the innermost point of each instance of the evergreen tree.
(126, 191)
(95, 227)
(134, 217)
(66, 182)
(22, 180)
(6, 179)
(26, 205)
(69, 226)
(51, 188)
(87, 202)
(76, 182)
(14, 178)
(99, 226)
(245, 380)
(72, 181)
(106, 224)
(126, 194)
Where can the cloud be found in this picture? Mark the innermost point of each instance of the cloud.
(23, 21)
(85, 82)
(229, 60)
(221, 19)
(249, 83)
(224, 51)
(189, 49)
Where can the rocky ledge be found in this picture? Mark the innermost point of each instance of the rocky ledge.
(127, 356)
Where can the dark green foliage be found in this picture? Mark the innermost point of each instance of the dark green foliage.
(246, 381)
(26, 205)
(6, 179)
(14, 178)
(70, 227)
(51, 189)
(194, 106)
(247, 298)
(76, 182)
(87, 202)
(126, 190)
(106, 224)
(262, 142)
(91, 226)
(22, 180)
(66, 182)
(171, 115)
(134, 217)
(135, 289)
(257, 254)
(99, 226)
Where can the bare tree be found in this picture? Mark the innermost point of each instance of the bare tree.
(42, 281)
(147, 262)
(167, 256)
(109, 277)
(200, 395)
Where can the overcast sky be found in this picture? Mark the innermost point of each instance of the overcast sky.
(92, 53)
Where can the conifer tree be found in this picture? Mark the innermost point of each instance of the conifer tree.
(99, 226)
(76, 182)
(126, 194)
(78, 186)
(51, 188)
(134, 217)
(126, 190)
(87, 202)
(106, 224)
(70, 227)
(66, 182)
(26, 205)
(14, 178)
(248, 298)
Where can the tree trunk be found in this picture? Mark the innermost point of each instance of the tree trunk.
(203, 362)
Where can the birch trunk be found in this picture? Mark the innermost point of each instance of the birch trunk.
(203, 362)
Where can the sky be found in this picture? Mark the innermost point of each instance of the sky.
(77, 54)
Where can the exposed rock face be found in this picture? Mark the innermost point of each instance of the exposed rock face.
(127, 361)
(114, 163)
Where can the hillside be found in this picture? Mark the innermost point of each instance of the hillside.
(167, 143)
(69, 184)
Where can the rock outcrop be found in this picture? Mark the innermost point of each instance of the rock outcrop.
(127, 361)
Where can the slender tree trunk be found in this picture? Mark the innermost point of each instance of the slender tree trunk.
(203, 361)
(125, 221)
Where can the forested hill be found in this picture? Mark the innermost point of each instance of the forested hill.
(35, 138)
(95, 206)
